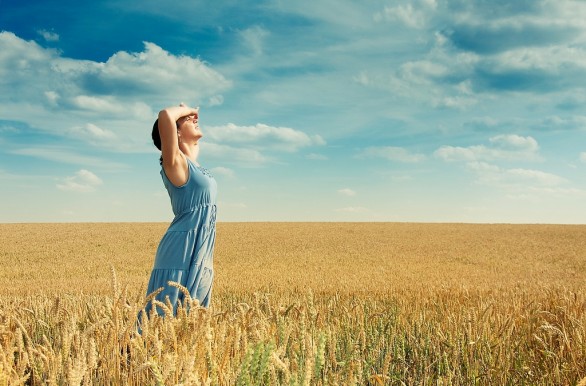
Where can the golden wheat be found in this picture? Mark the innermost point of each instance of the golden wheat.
(303, 304)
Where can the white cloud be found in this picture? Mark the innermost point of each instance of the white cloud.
(215, 100)
(352, 209)
(559, 191)
(483, 167)
(457, 102)
(92, 132)
(316, 156)
(413, 14)
(52, 97)
(102, 105)
(348, 15)
(517, 182)
(48, 35)
(65, 155)
(222, 171)
(429, 80)
(392, 153)
(513, 178)
(421, 71)
(482, 123)
(83, 181)
(534, 176)
(452, 153)
(155, 68)
(555, 122)
(583, 156)
(253, 38)
(7, 128)
(362, 78)
(279, 138)
(515, 142)
(236, 155)
(24, 63)
(48, 92)
(154, 76)
(538, 49)
(503, 147)
(548, 59)
(347, 192)
(405, 13)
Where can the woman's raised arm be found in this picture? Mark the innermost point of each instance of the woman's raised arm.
(168, 131)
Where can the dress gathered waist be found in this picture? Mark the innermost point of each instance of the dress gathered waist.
(203, 215)
(195, 208)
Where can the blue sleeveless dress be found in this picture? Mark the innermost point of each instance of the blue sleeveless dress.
(185, 253)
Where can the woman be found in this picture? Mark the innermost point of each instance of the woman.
(185, 253)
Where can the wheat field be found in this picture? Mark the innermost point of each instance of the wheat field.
(299, 304)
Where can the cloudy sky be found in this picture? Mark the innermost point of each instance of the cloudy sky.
(321, 110)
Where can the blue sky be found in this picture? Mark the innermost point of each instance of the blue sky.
(419, 110)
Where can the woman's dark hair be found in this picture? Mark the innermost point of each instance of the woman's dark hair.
(157, 138)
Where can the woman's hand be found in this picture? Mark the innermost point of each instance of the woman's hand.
(192, 108)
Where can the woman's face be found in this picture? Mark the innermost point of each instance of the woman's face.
(189, 126)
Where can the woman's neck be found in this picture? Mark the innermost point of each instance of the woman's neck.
(190, 151)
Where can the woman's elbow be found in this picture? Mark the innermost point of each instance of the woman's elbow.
(164, 113)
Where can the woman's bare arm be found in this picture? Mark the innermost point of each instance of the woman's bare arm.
(174, 162)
